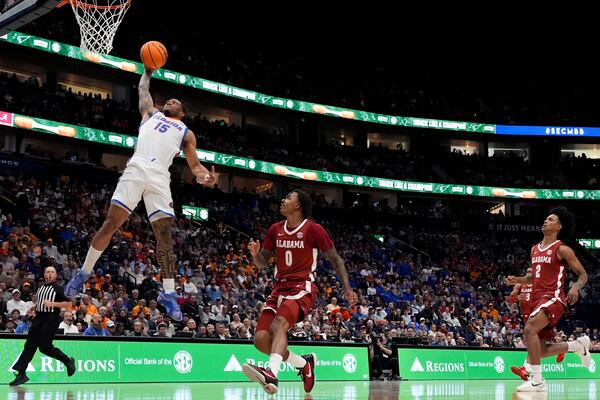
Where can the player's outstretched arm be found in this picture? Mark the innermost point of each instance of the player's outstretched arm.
(145, 104)
(513, 296)
(202, 174)
(566, 253)
(523, 280)
(340, 269)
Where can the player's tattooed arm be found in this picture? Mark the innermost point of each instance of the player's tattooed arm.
(567, 254)
(340, 269)
(263, 257)
(146, 104)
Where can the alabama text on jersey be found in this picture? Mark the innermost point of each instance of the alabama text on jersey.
(548, 272)
(297, 249)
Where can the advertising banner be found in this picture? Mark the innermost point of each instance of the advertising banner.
(434, 364)
(193, 361)
(51, 46)
(265, 167)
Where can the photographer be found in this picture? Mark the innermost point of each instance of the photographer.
(381, 357)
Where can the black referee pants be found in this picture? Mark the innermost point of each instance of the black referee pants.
(41, 334)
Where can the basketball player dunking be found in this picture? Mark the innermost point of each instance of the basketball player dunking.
(295, 243)
(549, 260)
(162, 135)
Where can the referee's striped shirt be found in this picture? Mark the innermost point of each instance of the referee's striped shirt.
(52, 292)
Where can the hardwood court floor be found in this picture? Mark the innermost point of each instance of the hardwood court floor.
(417, 390)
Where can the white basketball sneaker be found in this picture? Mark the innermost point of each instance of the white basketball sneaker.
(584, 352)
(529, 386)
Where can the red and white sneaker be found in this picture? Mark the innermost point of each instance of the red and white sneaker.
(521, 372)
(307, 373)
(560, 357)
(263, 376)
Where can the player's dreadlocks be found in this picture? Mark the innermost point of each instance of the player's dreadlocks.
(305, 202)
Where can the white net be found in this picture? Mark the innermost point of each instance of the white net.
(98, 22)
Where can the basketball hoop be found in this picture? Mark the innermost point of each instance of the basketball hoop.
(98, 22)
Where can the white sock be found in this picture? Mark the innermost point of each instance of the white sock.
(169, 285)
(537, 374)
(90, 260)
(574, 346)
(296, 360)
(274, 362)
(527, 366)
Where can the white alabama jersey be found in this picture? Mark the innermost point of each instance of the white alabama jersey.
(160, 139)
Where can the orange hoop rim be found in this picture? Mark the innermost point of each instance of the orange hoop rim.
(87, 6)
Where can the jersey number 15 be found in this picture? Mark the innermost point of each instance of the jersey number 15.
(161, 127)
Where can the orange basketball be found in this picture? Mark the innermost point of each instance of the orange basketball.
(154, 55)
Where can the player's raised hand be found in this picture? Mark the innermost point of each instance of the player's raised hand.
(208, 179)
(511, 280)
(351, 297)
(254, 247)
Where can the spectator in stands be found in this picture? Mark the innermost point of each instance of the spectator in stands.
(111, 328)
(95, 328)
(67, 324)
(138, 329)
(210, 332)
(191, 307)
(189, 286)
(50, 249)
(140, 308)
(86, 302)
(9, 327)
(134, 299)
(23, 328)
(190, 326)
(213, 292)
(16, 303)
(161, 331)
(153, 312)
(108, 285)
(26, 292)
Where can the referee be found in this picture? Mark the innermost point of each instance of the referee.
(50, 299)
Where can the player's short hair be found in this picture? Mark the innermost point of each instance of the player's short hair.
(305, 202)
(567, 220)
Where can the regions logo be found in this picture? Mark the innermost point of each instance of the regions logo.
(183, 362)
(233, 365)
(300, 235)
(349, 363)
(549, 252)
(431, 366)
(417, 366)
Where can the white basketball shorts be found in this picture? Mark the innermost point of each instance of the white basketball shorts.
(144, 178)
